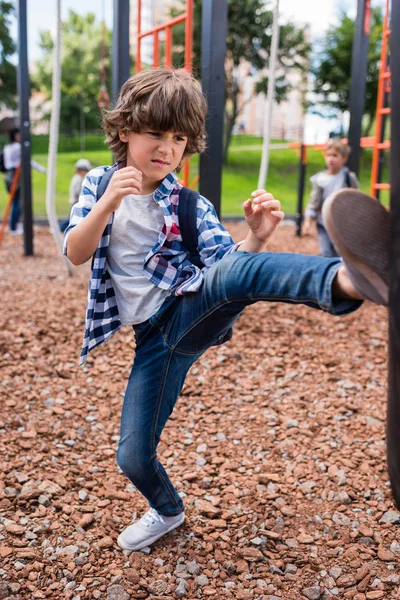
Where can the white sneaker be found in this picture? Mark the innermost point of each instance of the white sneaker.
(147, 530)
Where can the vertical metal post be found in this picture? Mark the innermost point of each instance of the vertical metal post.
(263, 175)
(121, 68)
(213, 49)
(300, 188)
(358, 82)
(393, 412)
(23, 101)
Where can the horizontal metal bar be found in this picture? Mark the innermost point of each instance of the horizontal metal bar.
(164, 26)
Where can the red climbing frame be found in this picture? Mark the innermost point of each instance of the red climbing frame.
(187, 19)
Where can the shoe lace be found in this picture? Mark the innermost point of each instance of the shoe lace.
(152, 516)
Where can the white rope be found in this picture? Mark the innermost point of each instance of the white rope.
(270, 100)
(53, 142)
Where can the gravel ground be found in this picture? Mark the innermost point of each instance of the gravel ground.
(277, 444)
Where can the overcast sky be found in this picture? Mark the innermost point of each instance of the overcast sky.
(320, 14)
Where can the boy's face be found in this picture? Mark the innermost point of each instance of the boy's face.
(154, 153)
(334, 161)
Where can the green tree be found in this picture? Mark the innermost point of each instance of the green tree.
(249, 38)
(80, 70)
(8, 75)
(333, 69)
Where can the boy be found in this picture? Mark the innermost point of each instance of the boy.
(335, 177)
(141, 275)
(82, 168)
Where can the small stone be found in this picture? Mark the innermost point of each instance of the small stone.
(86, 520)
(375, 595)
(392, 580)
(291, 423)
(180, 590)
(71, 585)
(29, 491)
(44, 500)
(386, 555)
(158, 562)
(251, 554)
(335, 572)
(74, 550)
(106, 542)
(201, 448)
(395, 547)
(83, 495)
(159, 587)
(346, 581)
(132, 575)
(193, 568)
(117, 592)
(275, 570)
(257, 541)
(14, 528)
(340, 518)
(4, 590)
(202, 580)
(181, 572)
(291, 569)
(391, 516)
(312, 593)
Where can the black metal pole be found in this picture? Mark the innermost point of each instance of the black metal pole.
(393, 413)
(213, 49)
(300, 188)
(358, 86)
(121, 64)
(23, 102)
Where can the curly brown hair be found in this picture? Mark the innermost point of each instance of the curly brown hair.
(162, 100)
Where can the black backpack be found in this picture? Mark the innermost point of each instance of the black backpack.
(187, 216)
(347, 179)
(2, 165)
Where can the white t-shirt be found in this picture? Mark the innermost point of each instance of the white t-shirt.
(329, 184)
(137, 225)
(12, 155)
(12, 158)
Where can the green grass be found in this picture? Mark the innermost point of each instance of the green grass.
(240, 177)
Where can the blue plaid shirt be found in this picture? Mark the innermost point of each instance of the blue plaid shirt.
(166, 265)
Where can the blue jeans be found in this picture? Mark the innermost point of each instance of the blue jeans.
(16, 203)
(184, 327)
(326, 248)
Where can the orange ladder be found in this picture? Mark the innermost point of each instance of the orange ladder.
(187, 19)
(380, 144)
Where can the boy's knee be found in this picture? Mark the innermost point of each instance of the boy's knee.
(132, 463)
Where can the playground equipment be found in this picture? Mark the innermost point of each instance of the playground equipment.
(53, 143)
(393, 413)
(382, 111)
(167, 29)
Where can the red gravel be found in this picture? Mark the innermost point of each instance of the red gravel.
(278, 442)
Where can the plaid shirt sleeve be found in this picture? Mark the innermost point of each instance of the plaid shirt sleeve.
(87, 199)
(213, 239)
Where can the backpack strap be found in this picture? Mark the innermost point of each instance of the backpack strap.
(187, 214)
(347, 179)
(104, 181)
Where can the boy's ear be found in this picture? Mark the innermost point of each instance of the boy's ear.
(122, 136)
